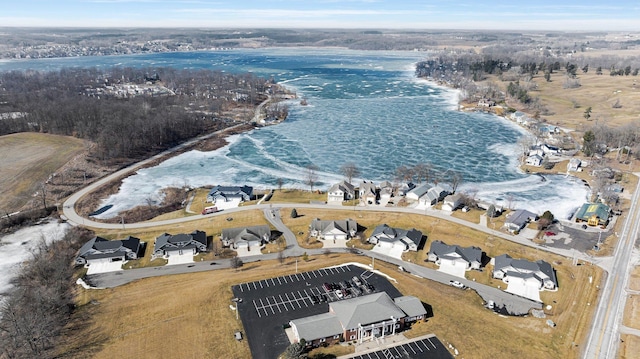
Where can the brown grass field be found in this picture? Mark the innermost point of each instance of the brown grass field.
(141, 319)
(28, 159)
(631, 317)
(630, 346)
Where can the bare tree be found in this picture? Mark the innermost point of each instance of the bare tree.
(281, 257)
(404, 173)
(236, 262)
(312, 176)
(350, 170)
(422, 172)
(279, 182)
(455, 178)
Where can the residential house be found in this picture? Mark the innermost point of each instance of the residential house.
(540, 272)
(184, 243)
(332, 230)
(517, 116)
(594, 214)
(405, 188)
(536, 150)
(418, 191)
(246, 237)
(368, 193)
(549, 149)
(230, 193)
(342, 191)
(102, 250)
(485, 102)
(549, 130)
(385, 236)
(519, 219)
(574, 165)
(454, 256)
(386, 191)
(485, 205)
(434, 195)
(534, 160)
(358, 319)
(452, 202)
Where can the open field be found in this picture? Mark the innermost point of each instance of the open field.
(629, 347)
(634, 279)
(139, 319)
(631, 316)
(28, 159)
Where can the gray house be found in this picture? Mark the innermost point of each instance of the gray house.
(368, 192)
(331, 230)
(517, 220)
(418, 191)
(99, 249)
(526, 273)
(455, 257)
(229, 193)
(385, 236)
(183, 243)
(246, 237)
(342, 191)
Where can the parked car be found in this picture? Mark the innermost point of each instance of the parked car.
(456, 284)
(356, 280)
(339, 293)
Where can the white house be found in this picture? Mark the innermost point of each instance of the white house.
(332, 230)
(574, 165)
(342, 191)
(387, 237)
(368, 193)
(386, 191)
(246, 237)
(525, 278)
(434, 195)
(452, 202)
(454, 259)
(418, 192)
(534, 160)
(517, 220)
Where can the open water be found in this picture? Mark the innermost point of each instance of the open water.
(363, 107)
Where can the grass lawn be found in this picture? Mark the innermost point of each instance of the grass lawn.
(140, 319)
(28, 159)
(296, 196)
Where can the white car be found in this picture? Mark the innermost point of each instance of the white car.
(456, 284)
(339, 293)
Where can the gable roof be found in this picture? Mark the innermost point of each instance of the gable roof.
(385, 233)
(231, 191)
(343, 186)
(180, 241)
(99, 247)
(590, 209)
(346, 226)
(367, 309)
(540, 269)
(411, 305)
(443, 250)
(317, 326)
(367, 188)
(420, 190)
(520, 217)
(253, 233)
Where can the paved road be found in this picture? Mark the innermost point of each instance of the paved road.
(604, 338)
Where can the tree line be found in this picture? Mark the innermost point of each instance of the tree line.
(35, 312)
(167, 107)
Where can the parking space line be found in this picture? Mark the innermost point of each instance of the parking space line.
(343, 271)
(411, 347)
(254, 285)
(260, 284)
(302, 299)
(270, 306)
(272, 282)
(430, 342)
(284, 278)
(314, 274)
(294, 297)
(278, 304)
(257, 311)
(242, 290)
(283, 302)
(424, 344)
(279, 282)
(263, 308)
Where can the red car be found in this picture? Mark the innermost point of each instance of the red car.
(549, 233)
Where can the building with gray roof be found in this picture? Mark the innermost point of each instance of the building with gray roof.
(246, 237)
(388, 237)
(99, 249)
(331, 230)
(342, 191)
(183, 243)
(359, 319)
(445, 255)
(506, 267)
(517, 220)
(229, 193)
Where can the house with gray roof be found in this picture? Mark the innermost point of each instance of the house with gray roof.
(452, 202)
(342, 191)
(331, 230)
(452, 258)
(368, 193)
(358, 319)
(99, 249)
(525, 272)
(184, 243)
(517, 220)
(387, 237)
(246, 237)
(418, 191)
(229, 193)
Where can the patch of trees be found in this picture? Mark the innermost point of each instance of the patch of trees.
(161, 108)
(40, 304)
(601, 138)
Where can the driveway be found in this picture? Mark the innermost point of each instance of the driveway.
(450, 267)
(104, 267)
(176, 258)
(393, 252)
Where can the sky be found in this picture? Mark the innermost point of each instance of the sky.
(566, 15)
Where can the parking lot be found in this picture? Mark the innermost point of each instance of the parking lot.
(268, 305)
(422, 348)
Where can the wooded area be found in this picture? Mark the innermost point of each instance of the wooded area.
(127, 112)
